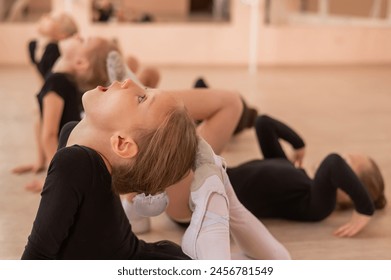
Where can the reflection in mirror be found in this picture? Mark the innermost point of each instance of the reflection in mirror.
(23, 10)
(327, 12)
(160, 11)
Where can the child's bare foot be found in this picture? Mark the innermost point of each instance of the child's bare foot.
(28, 168)
(35, 186)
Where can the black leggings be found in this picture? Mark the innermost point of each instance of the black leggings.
(332, 173)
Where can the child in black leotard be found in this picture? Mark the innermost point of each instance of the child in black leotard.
(274, 187)
(80, 216)
(60, 97)
(44, 51)
(65, 104)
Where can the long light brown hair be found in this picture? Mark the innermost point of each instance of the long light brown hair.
(66, 24)
(372, 179)
(165, 156)
(96, 74)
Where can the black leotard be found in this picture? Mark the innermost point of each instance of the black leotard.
(49, 57)
(79, 217)
(273, 187)
(64, 86)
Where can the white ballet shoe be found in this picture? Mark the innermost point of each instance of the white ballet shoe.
(139, 224)
(207, 182)
(202, 218)
(117, 69)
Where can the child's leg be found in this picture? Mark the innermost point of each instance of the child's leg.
(219, 110)
(247, 119)
(118, 70)
(207, 236)
(249, 233)
(248, 116)
(132, 63)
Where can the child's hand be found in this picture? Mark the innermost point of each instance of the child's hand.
(355, 225)
(298, 156)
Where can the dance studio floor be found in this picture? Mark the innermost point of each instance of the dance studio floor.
(335, 109)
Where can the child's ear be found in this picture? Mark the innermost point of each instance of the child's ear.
(125, 147)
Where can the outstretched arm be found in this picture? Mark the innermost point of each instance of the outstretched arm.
(40, 164)
(53, 106)
(333, 174)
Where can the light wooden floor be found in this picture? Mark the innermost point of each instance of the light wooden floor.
(336, 109)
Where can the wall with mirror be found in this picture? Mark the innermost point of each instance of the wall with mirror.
(23, 10)
(364, 12)
(176, 38)
(160, 11)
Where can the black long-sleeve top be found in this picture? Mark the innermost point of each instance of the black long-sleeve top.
(274, 187)
(49, 57)
(79, 217)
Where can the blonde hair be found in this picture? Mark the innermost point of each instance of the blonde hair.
(372, 179)
(96, 74)
(66, 24)
(165, 156)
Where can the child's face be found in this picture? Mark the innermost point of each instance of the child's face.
(76, 47)
(126, 106)
(69, 47)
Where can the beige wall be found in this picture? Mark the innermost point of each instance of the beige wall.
(219, 43)
(349, 7)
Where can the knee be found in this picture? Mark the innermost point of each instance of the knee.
(153, 76)
(263, 122)
(334, 159)
(233, 100)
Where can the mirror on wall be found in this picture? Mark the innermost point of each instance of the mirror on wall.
(137, 11)
(23, 10)
(327, 12)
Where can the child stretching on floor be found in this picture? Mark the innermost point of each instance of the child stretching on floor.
(44, 51)
(60, 98)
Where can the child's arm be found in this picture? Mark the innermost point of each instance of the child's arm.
(355, 225)
(41, 161)
(53, 106)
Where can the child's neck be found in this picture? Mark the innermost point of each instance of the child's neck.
(84, 135)
(62, 66)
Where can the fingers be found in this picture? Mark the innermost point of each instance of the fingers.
(349, 229)
(298, 157)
